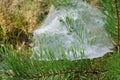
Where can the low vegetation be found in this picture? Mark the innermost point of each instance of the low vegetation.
(18, 18)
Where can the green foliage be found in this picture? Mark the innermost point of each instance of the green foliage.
(109, 11)
(114, 66)
(108, 8)
(20, 65)
(64, 3)
(68, 3)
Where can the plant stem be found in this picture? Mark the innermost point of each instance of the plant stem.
(94, 71)
(117, 24)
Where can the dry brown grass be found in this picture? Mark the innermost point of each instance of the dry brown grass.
(94, 2)
(18, 18)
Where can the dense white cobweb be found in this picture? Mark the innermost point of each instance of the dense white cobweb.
(79, 28)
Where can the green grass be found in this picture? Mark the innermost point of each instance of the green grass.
(19, 65)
